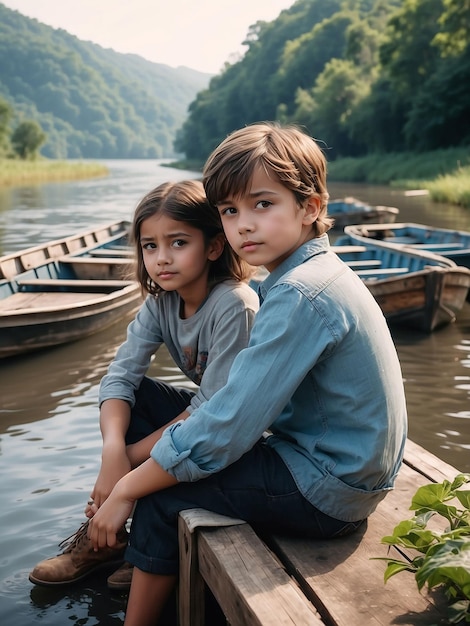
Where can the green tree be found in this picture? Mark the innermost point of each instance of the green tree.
(407, 56)
(5, 117)
(305, 57)
(455, 23)
(327, 113)
(440, 113)
(27, 138)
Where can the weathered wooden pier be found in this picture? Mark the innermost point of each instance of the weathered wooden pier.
(279, 581)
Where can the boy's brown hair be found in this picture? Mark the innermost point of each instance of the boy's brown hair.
(285, 152)
(185, 201)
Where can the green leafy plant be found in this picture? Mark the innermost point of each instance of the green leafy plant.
(443, 558)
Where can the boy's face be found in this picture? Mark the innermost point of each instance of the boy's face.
(266, 224)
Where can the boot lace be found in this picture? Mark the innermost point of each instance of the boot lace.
(70, 543)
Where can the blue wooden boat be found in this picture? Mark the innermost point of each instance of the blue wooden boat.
(66, 289)
(352, 211)
(418, 289)
(452, 244)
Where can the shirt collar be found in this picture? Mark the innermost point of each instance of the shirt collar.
(299, 256)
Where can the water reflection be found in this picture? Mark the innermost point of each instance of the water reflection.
(33, 385)
(413, 208)
(34, 214)
(436, 371)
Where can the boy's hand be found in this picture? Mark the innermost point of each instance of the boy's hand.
(108, 519)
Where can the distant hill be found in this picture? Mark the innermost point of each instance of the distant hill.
(92, 102)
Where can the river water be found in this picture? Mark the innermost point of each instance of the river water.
(49, 435)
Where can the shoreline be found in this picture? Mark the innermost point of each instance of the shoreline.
(452, 187)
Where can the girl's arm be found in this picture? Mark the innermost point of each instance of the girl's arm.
(117, 394)
(139, 452)
(114, 422)
(133, 357)
(110, 517)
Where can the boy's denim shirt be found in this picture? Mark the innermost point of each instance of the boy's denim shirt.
(322, 375)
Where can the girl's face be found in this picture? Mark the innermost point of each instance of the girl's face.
(266, 224)
(176, 257)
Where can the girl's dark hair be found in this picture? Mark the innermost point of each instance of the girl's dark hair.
(186, 201)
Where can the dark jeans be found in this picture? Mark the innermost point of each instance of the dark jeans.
(156, 404)
(257, 488)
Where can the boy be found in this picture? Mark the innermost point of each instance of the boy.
(320, 373)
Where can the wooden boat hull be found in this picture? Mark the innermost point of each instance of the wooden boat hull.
(451, 244)
(421, 291)
(66, 290)
(26, 330)
(351, 211)
(106, 236)
(425, 300)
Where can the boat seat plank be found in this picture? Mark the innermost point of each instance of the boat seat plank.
(112, 253)
(88, 267)
(438, 246)
(383, 272)
(347, 249)
(37, 300)
(83, 260)
(364, 264)
(78, 285)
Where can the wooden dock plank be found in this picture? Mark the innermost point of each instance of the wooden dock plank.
(346, 584)
(264, 595)
(191, 605)
(428, 465)
(248, 582)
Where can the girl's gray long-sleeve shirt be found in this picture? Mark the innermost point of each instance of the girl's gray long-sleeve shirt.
(202, 346)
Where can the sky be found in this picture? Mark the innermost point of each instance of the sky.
(200, 34)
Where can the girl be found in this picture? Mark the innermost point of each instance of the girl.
(197, 304)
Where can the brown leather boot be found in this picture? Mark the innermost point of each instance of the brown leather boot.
(77, 560)
(121, 579)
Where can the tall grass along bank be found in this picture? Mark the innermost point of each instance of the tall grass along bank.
(16, 172)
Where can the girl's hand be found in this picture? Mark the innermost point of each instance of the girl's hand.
(109, 518)
(90, 509)
(114, 512)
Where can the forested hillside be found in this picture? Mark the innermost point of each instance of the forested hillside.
(92, 102)
(363, 76)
